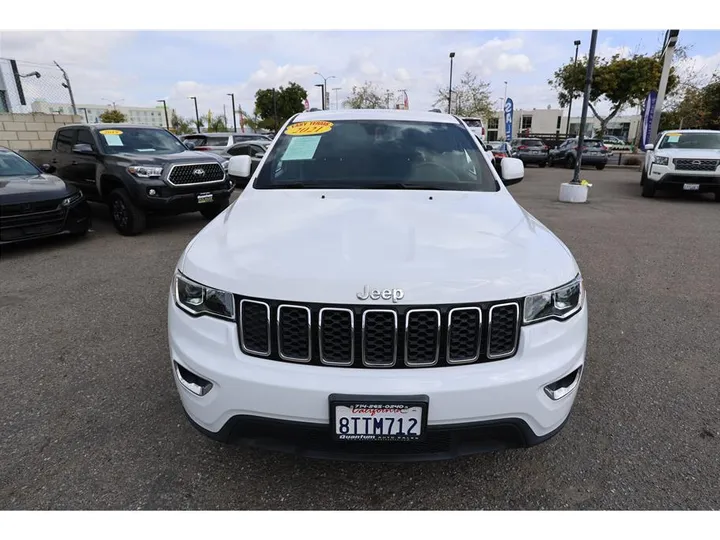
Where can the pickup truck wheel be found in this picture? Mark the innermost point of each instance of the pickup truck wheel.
(127, 218)
(570, 162)
(551, 162)
(648, 189)
(211, 211)
(599, 167)
(643, 177)
(717, 196)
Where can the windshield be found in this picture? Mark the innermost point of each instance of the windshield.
(530, 142)
(702, 141)
(592, 143)
(140, 141)
(473, 122)
(14, 165)
(376, 154)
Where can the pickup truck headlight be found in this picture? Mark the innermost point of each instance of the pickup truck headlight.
(72, 199)
(225, 165)
(660, 160)
(561, 303)
(197, 299)
(145, 172)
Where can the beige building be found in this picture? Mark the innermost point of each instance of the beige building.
(147, 116)
(554, 122)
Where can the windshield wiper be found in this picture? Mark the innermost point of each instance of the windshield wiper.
(403, 185)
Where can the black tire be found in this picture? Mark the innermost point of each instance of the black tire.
(542, 165)
(570, 162)
(643, 177)
(648, 189)
(127, 217)
(213, 210)
(599, 167)
(551, 163)
(717, 196)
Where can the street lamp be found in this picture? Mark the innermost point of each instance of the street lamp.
(452, 55)
(337, 105)
(324, 85)
(232, 96)
(567, 128)
(197, 115)
(167, 122)
(114, 103)
(321, 86)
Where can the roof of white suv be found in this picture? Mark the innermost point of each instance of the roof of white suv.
(376, 114)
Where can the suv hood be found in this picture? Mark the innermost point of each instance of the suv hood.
(162, 159)
(33, 188)
(689, 153)
(326, 246)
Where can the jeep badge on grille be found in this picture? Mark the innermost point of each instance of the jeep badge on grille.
(377, 294)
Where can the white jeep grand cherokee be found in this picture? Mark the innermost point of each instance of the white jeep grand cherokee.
(376, 293)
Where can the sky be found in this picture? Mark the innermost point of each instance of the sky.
(136, 68)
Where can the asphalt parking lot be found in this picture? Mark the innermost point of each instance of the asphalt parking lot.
(91, 418)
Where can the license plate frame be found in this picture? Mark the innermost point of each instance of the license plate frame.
(203, 198)
(378, 402)
(691, 187)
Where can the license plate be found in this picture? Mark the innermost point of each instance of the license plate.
(535, 152)
(691, 187)
(204, 198)
(375, 419)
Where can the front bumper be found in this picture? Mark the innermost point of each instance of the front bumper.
(496, 401)
(70, 220)
(597, 159)
(181, 199)
(531, 158)
(668, 178)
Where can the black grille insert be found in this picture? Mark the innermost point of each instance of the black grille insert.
(464, 335)
(379, 338)
(196, 174)
(337, 336)
(503, 330)
(696, 164)
(422, 337)
(294, 331)
(255, 327)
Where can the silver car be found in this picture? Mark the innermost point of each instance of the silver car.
(220, 142)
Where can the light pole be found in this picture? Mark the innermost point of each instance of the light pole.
(197, 115)
(324, 86)
(586, 100)
(322, 89)
(567, 128)
(66, 84)
(114, 103)
(232, 96)
(452, 55)
(167, 121)
(337, 106)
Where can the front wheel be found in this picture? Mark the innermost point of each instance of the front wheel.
(212, 210)
(717, 196)
(542, 165)
(127, 217)
(570, 162)
(551, 162)
(643, 177)
(648, 189)
(599, 167)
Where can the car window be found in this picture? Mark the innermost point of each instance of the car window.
(65, 140)
(592, 143)
(531, 142)
(139, 141)
(473, 122)
(376, 154)
(217, 141)
(238, 150)
(85, 137)
(256, 149)
(12, 164)
(199, 140)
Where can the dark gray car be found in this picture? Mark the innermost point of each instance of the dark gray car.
(594, 153)
(530, 150)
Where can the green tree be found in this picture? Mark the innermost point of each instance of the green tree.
(180, 125)
(698, 109)
(624, 82)
(217, 124)
(471, 97)
(113, 116)
(367, 96)
(286, 101)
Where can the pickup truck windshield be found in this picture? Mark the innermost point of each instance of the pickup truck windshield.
(14, 165)
(139, 141)
(376, 154)
(701, 141)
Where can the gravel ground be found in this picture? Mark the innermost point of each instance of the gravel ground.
(91, 418)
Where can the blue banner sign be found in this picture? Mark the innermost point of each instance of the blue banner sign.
(648, 118)
(508, 119)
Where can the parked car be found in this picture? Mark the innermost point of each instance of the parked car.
(367, 299)
(530, 151)
(219, 142)
(682, 160)
(499, 151)
(33, 203)
(488, 151)
(476, 125)
(255, 149)
(594, 153)
(136, 170)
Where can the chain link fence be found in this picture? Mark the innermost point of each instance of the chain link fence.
(28, 87)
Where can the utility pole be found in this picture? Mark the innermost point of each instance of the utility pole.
(567, 128)
(232, 96)
(586, 101)
(671, 38)
(337, 106)
(167, 122)
(275, 116)
(452, 55)
(324, 86)
(197, 115)
(66, 84)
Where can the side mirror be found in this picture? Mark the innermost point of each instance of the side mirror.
(512, 171)
(488, 147)
(189, 145)
(240, 166)
(649, 146)
(47, 168)
(82, 149)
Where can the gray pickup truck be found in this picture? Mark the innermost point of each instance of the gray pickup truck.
(136, 170)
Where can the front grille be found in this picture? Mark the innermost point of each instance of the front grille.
(30, 208)
(24, 221)
(707, 165)
(375, 337)
(191, 174)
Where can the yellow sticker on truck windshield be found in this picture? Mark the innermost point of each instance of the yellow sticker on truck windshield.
(111, 132)
(309, 128)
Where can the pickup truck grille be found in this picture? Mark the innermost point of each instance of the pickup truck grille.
(378, 336)
(202, 173)
(696, 164)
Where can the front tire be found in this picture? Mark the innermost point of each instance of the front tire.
(643, 177)
(551, 162)
(128, 218)
(648, 189)
(213, 210)
(599, 167)
(570, 162)
(542, 165)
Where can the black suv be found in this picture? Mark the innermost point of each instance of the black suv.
(137, 170)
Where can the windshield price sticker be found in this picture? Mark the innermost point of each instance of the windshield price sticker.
(111, 132)
(309, 128)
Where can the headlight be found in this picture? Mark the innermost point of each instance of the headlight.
(225, 165)
(145, 172)
(198, 299)
(660, 160)
(72, 199)
(561, 303)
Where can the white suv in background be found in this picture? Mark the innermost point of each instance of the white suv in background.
(376, 293)
(683, 160)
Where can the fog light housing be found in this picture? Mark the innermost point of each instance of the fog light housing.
(562, 387)
(191, 382)
(152, 192)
